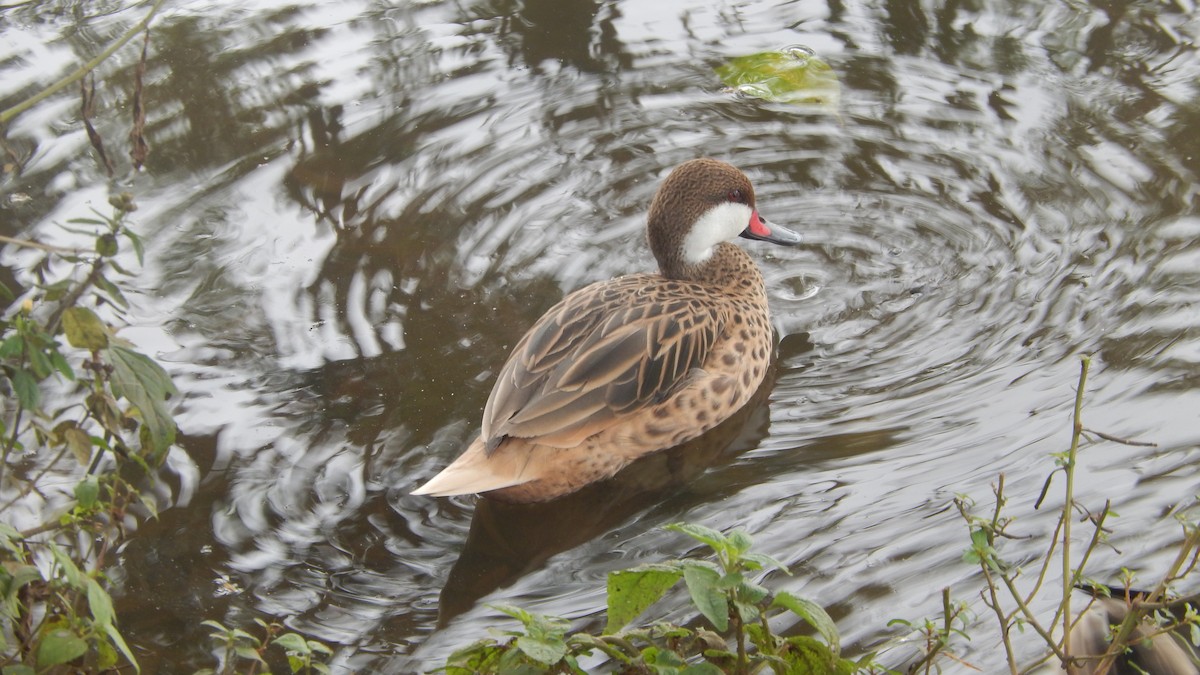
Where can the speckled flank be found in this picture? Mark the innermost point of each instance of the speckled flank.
(634, 365)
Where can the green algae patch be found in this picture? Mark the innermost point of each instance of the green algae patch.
(794, 75)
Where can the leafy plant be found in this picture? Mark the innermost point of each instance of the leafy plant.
(737, 607)
(240, 648)
(1009, 592)
(106, 400)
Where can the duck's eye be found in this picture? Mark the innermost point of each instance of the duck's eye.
(736, 195)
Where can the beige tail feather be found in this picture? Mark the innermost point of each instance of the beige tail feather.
(474, 472)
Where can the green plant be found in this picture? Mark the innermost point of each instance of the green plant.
(242, 648)
(77, 403)
(737, 607)
(1009, 592)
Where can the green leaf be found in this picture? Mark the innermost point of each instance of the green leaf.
(806, 655)
(739, 541)
(715, 540)
(106, 656)
(106, 245)
(545, 651)
(80, 444)
(39, 363)
(136, 240)
(22, 576)
(292, 642)
(87, 491)
(763, 561)
(60, 364)
(84, 329)
(99, 602)
(704, 586)
(26, 388)
(813, 614)
(791, 75)
(249, 653)
(19, 669)
(67, 568)
(147, 386)
(12, 346)
(84, 221)
(751, 592)
(59, 646)
(631, 591)
(112, 291)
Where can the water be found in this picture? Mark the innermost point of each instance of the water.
(353, 210)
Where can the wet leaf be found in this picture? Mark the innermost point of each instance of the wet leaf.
(106, 245)
(791, 75)
(763, 561)
(631, 591)
(68, 569)
(293, 642)
(87, 491)
(60, 364)
(543, 650)
(99, 603)
(808, 655)
(138, 247)
(147, 386)
(12, 346)
(106, 656)
(739, 541)
(704, 586)
(249, 653)
(59, 646)
(707, 535)
(112, 291)
(84, 329)
(26, 388)
(813, 614)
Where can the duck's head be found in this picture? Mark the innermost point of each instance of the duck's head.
(702, 203)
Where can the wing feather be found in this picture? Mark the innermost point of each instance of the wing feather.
(601, 353)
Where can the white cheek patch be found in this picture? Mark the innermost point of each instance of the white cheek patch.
(722, 222)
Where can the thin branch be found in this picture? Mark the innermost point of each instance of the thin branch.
(27, 243)
(81, 71)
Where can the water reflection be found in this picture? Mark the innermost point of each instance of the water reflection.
(354, 210)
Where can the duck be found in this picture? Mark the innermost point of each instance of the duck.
(633, 365)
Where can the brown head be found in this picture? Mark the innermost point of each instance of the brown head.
(702, 203)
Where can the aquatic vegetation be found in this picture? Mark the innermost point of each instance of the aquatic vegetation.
(794, 75)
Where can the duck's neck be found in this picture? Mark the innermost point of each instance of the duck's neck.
(729, 267)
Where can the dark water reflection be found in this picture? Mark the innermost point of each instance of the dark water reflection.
(353, 210)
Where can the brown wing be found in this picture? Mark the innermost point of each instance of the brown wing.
(600, 353)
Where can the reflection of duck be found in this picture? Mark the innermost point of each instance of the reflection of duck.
(644, 362)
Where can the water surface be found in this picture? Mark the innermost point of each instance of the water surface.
(353, 210)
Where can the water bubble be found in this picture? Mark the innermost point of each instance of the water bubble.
(799, 52)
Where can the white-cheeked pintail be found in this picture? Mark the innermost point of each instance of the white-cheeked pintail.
(626, 367)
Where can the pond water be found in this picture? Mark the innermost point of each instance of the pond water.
(352, 210)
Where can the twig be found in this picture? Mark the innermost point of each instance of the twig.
(1068, 500)
(81, 70)
(27, 243)
(1122, 441)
